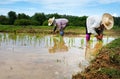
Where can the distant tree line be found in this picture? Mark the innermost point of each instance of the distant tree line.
(42, 19)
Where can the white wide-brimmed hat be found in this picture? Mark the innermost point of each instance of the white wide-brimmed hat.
(107, 21)
(50, 21)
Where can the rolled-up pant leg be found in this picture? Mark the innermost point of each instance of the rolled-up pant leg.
(88, 36)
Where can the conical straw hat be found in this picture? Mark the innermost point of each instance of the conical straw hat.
(107, 21)
(50, 21)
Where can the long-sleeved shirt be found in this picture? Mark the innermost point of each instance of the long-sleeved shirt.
(60, 23)
(92, 23)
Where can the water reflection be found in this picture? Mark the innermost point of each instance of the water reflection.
(59, 45)
(28, 40)
(50, 42)
(28, 56)
(91, 52)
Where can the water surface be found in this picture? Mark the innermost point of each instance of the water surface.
(31, 56)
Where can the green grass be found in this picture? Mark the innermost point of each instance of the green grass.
(22, 29)
(39, 29)
(114, 54)
(114, 44)
(112, 72)
(74, 30)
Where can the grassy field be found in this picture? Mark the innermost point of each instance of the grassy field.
(39, 29)
(70, 30)
(24, 29)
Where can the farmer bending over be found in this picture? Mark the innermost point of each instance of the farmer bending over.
(59, 24)
(96, 25)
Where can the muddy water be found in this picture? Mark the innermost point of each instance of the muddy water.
(24, 56)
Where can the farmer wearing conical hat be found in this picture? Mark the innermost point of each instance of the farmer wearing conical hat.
(96, 25)
(59, 24)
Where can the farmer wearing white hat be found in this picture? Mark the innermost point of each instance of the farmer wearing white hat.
(96, 25)
(58, 23)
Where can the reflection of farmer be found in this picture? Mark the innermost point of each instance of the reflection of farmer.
(95, 25)
(90, 52)
(59, 45)
(58, 23)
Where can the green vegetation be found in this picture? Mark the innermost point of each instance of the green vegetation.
(106, 65)
(40, 19)
(22, 23)
(70, 30)
(112, 72)
(114, 44)
(39, 29)
(114, 55)
(23, 29)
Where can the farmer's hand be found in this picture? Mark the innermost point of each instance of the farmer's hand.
(52, 32)
(57, 31)
(99, 37)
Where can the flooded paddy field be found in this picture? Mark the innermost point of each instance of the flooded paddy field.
(30, 56)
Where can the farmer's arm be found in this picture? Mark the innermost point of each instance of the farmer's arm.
(54, 29)
(100, 32)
